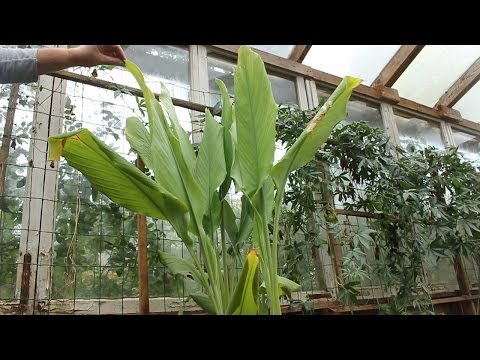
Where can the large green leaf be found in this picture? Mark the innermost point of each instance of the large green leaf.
(262, 204)
(204, 301)
(317, 131)
(246, 222)
(139, 139)
(244, 299)
(255, 112)
(210, 167)
(211, 220)
(114, 176)
(229, 223)
(173, 164)
(187, 148)
(228, 144)
(287, 286)
(179, 266)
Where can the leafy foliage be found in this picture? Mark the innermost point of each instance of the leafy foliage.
(426, 201)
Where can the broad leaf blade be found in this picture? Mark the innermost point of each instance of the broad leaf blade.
(228, 144)
(187, 148)
(255, 112)
(246, 222)
(176, 265)
(229, 222)
(317, 131)
(287, 286)
(111, 174)
(210, 167)
(204, 302)
(173, 165)
(244, 300)
(211, 220)
(179, 266)
(139, 139)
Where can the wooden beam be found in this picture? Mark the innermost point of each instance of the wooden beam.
(280, 65)
(299, 52)
(292, 68)
(397, 65)
(447, 113)
(104, 84)
(464, 83)
(359, 214)
(388, 95)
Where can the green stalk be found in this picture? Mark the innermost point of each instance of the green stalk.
(205, 283)
(211, 261)
(276, 309)
(224, 257)
(220, 282)
(270, 281)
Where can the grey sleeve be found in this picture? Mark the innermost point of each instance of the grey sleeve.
(18, 65)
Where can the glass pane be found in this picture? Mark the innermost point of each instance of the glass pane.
(279, 50)
(284, 90)
(418, 132)
(363, 61)
(357, 110)
(219, 69)
(468, 104)
(434, 70)
(159, 63)
(468, 145)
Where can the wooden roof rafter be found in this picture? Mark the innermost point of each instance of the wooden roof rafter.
(460, 87)
(397, 65)
(299, 53)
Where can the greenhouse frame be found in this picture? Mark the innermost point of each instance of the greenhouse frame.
(67, 248)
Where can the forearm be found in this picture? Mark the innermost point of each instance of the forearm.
(24, 65)
(54, 59)
(18, 65)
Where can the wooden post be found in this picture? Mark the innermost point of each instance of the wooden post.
(464, 285)
(334, 245)
(458, 264)
(143, 292)
(38, 216)
(390, 125)
(198, 85)
(301, 92)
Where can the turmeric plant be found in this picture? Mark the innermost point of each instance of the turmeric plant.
(189, 190)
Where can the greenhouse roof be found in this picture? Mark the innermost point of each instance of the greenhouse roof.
(431, 75)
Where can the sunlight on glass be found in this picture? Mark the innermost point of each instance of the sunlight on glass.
(363, 61)
(436, 68)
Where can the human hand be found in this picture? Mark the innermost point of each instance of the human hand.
(92, 55)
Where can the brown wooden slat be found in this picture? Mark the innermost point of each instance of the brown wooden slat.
(292, 68)
(281, 65)
(464, 83)
(299, 52)
(104, 84)
(397, 65)
(358, 214)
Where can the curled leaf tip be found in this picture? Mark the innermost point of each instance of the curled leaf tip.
(55, 148)
(252, 252)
